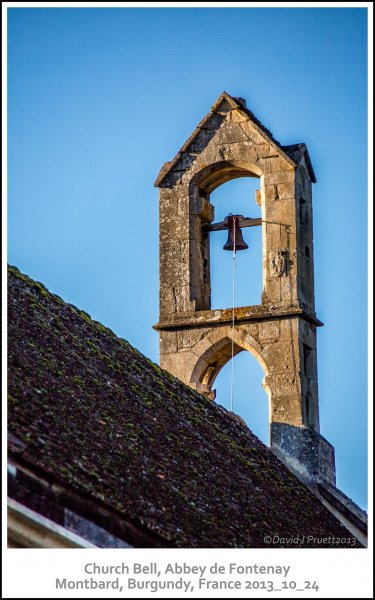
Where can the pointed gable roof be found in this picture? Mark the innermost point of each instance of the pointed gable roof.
(225, 102)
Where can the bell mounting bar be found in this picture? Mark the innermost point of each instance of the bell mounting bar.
(242, 222)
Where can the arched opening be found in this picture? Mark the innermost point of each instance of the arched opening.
(250, 400)
(237, 196)
(212, 375)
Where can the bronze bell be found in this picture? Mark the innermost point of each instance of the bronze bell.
(235, 240)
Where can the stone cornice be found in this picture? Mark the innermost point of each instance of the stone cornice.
(243, 314)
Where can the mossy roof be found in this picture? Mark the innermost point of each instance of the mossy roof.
(102, 419)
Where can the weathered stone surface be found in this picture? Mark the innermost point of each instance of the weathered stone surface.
(307, 453)
(280, 177)
(285, 190)
(190, 338)
(281, 331)
(270, 333)
(270, 193)
(168, 343)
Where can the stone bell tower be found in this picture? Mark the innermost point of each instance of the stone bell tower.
(195, 341)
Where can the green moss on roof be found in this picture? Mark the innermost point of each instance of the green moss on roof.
(104, 420)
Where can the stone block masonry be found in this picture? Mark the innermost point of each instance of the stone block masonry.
(195, 341)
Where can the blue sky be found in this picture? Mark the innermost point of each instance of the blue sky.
(99, 99)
